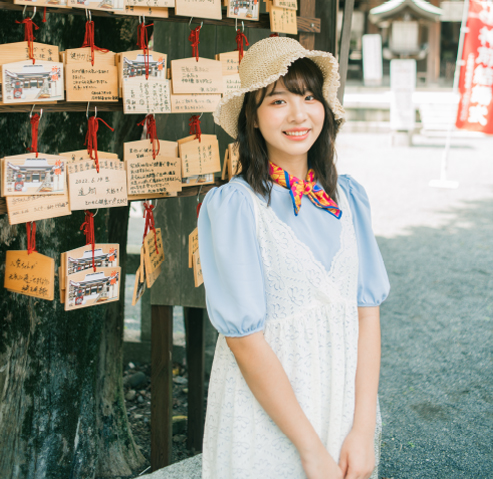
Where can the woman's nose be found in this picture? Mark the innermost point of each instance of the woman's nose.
(297, 112)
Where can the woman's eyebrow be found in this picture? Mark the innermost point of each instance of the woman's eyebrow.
(276, 92)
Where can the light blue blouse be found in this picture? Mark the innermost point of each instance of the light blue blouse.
(230, 255)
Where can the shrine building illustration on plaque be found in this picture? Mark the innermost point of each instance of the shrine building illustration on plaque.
(24, 82)
(93, 288)
(34, 176)
(102, 5)
(243, 9)
(137, 68)
(101, 259)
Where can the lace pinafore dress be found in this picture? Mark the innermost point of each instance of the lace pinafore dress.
(312, 326)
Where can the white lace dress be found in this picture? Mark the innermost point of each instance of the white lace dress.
(312, 326)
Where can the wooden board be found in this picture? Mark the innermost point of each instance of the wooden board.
(144, 11)
(114, 6)
(197, 269)
(289, 4)
(133, 150)
(283, 20)
(22, 209)
(89, 288)
(151, 3)
(230, 62)
(146, 176)
(89, 189)
(87, 83)
(106, 255)
(25, 175)
(244, 10)
(139, 286)
(79, 155)
(146, 96)
(153, 259)
(231, 83)
(15, 52)
(198, 180)
(191, 76)
(199, 8)
(199, 157)
(30, 274)
(193, 245)
(83, 55)
(42, 3)
(23, 82)
(194, 103)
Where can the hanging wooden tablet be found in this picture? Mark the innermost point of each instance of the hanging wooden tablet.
(61, 286)
(197, 269)
(230, 162)
(194, 103)
(289, 4)
(243, 10)
(198, 180)
(150, 278)
(153, 250)
(25, 175)
(89, 288)
(25, 82)
(199, 157)
(229, 62)
(191, 76)
(158, 4)
(105, 5)
(22, 209)
(141, 94)
(90, 189)
(106, 255)
(199, 9)
(193, 245)
(19, 51)
(231, 83)
(283, 20)
(139, 286)
(42, 3)
(84, 55)
(30, 274)
(133, 150)
(79, 155)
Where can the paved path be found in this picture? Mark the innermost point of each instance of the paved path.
(436, 389)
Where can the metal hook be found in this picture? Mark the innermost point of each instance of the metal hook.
(87, 110)
(190, 24)
(236, 24)
(94, 215)
(198, 194)
(24, 12)
(242, 27)
(201, 115)
(88, 15)
(32, 111)
(95, 112)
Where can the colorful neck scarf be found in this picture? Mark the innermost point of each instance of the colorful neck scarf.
(298, 188)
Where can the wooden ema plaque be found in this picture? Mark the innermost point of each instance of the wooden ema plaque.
(230, 62)
(30, 274)
(22, 209)
(244, 10)
(198, 180)
(147, 177)
(194, 103)
(133, 150)
(141, 95)
(199, 157)
(191, 76)
(151, 3)
(105, 5)
(230, 162)
(89, 83)
(193, 245)
(139, 286)
(289, 4)
(231, 83)
(89, 189)
(92, 288)
(153, 259)
(148, 277)
(199, 8)
(283, 20)
(43, 3)
(79, 155)
(145, 11)
(25, 175)
(16, 52)
(197, 269)
(23, 82)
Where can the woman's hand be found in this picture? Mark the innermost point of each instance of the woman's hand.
(357, 459)
(319, 464)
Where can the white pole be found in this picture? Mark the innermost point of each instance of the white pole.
(443, 182)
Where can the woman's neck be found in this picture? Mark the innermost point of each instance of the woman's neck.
(297, 167)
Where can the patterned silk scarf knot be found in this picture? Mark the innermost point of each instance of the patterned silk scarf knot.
(308, 187)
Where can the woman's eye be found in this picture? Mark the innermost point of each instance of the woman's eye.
(309, 97)
(278, 102)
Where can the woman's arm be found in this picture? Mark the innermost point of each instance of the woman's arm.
(270, 385)
(357, 455)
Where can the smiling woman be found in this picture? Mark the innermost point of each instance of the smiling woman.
(293, 283)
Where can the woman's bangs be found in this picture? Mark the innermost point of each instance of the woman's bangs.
(304, 75)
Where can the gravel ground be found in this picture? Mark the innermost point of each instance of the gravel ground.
(436, 391)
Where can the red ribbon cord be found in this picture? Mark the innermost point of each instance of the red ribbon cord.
(143, 43)
(150, 125)
(31, 237)
(34, 134)
(194, 124)
(92, 138)
(274, 35)
(198, 209)
(88, 227)
(149, 223)
(44, 15)
(89, 41)
(194, 40)
(29, 36)
(240, 38)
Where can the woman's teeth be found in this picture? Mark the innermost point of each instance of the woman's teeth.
(296, 133)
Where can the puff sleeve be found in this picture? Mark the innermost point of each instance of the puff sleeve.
(231, 262)
(373, 281)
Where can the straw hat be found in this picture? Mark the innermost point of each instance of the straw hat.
(264, 63)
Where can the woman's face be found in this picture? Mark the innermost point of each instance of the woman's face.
(289, 123)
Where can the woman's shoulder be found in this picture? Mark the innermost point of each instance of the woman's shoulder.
(230, 197)
(355, 193)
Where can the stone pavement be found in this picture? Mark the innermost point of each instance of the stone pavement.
(436, 391)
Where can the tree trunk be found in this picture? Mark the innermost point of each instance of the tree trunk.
(62, 412)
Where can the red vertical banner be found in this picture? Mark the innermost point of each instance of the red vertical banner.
(475, 111)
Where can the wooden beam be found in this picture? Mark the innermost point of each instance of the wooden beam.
(161, 386)
(304, 24)
(307, 9)
(344, 46)
(195, 335)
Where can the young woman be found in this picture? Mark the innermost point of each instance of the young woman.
(294, 280)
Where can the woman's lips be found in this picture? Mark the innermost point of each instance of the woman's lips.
(297, 135)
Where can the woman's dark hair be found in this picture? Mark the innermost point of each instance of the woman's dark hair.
(303, 75)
